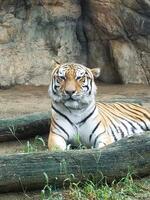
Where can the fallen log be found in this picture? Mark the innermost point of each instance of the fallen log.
(26, 171)
(24, 126)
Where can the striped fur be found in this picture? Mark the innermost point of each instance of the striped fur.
(75, 112)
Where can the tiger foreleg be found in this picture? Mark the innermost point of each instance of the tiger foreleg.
(56, 142)
(103, 140)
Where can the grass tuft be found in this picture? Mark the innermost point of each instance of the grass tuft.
(121, 190)
(37, 145)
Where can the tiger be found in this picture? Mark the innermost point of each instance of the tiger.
(75, 112)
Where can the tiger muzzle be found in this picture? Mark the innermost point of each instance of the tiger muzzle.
(70, 92)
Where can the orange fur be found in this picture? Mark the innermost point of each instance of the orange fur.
(74, 111)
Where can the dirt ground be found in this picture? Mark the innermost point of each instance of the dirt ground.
(20, 100)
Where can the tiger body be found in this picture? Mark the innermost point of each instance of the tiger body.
(76, 114)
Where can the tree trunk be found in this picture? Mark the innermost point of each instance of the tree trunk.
(25, 171)
(24, 126)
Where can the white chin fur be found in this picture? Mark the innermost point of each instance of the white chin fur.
(79, 104)
(85, 100)
(72, 104)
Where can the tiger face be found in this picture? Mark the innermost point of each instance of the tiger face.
(73, 85)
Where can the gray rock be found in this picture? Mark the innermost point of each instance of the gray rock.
(33, 35)
(120, 33)
(113, 35)
(127, 62)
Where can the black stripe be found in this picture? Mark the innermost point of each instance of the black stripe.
(143, 128)
(86, 73)
(127, 120)
(91, 87)
(122, 133)
(85, 119)
(95, 141)
(131, 124)
(61, 128)
(124, 119)
(145, 115)
(97, 125)
(56, 87)
(146, 127)
(133, 127)
(113, 134)
(86, 86)
(114, 127)
(53, 87)
(62, 115)
(122, 122)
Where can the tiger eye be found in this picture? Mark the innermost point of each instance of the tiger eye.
(79, 77)
(82, 79)
(60, 78)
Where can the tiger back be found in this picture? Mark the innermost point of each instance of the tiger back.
(75, 114)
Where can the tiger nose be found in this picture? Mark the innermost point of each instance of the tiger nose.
(70, 92)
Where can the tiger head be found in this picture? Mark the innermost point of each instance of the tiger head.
(73, 85)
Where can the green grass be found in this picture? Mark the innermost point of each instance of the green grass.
(47, 193)
(116, 191)
(125, 189)
(37, 145)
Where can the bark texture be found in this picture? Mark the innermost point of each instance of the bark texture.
(25, 126)
(25, 171)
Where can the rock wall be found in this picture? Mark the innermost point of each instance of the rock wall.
(118, 38)
(32, 34)
(111, 34)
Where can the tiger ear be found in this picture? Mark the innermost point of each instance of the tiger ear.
(96, 72)
(56, 63)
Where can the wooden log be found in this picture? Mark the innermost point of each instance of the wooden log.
(24, 126)
(25, 171)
